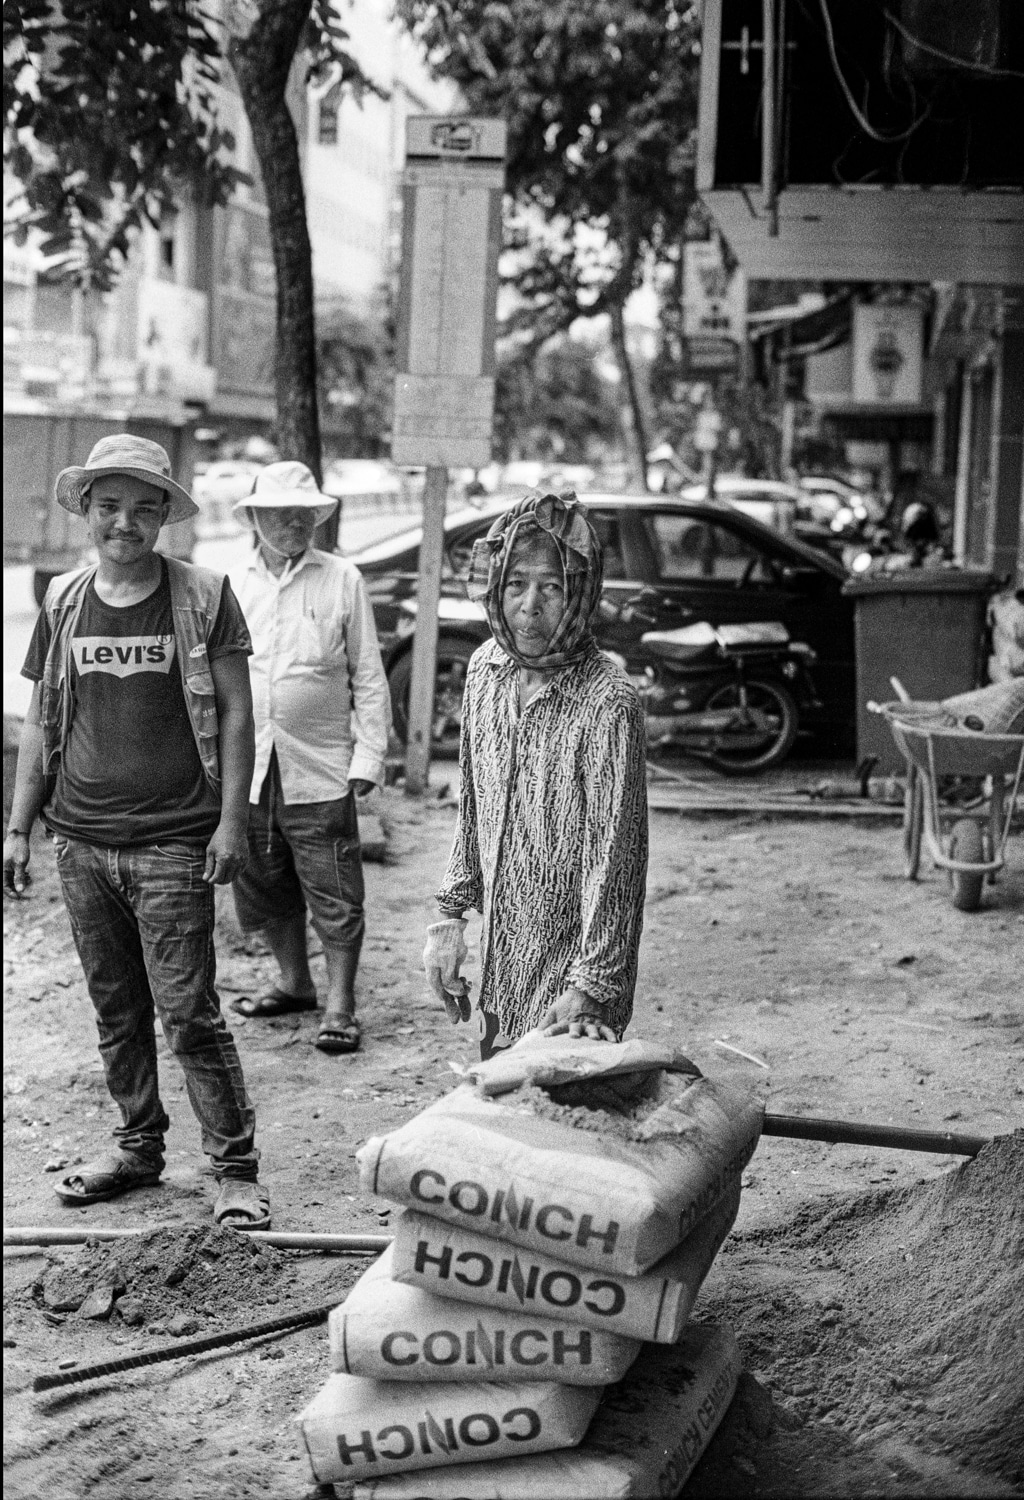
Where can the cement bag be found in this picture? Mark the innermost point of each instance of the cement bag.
(559, 1060)
(998, 709)
(397, 1332)
(644, 1441)
(354, 1427)
(615, 1191)
(655, 1306)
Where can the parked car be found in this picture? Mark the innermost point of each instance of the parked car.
(668, 562)
(360, 479)
(831, 495)
(216, 488)
(784, 507)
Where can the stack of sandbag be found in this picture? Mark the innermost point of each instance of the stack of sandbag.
(563, 1206)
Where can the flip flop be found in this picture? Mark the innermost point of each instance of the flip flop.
(335, 1037)
(107, 1177)
(274, 1003)
(242, 1205)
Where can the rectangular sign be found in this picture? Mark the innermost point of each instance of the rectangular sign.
(709, 356)
(437, 416)
(451, 239)
(714, 298)
(458, 137)
(888, 349)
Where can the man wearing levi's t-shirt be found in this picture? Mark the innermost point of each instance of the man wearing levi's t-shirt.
(138, 752)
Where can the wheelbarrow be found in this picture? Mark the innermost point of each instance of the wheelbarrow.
(968, 842)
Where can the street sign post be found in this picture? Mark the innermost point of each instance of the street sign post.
(444, 385)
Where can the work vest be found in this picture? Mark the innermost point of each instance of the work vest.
(195, 602)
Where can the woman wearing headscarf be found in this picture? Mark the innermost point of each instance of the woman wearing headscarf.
(551, 839)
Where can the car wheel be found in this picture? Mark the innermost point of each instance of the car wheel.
(452, 660)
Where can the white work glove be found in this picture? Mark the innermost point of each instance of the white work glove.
(445, 951)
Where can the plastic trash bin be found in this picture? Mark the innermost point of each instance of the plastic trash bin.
(925, 626)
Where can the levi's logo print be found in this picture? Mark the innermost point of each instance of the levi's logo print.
(123, 655)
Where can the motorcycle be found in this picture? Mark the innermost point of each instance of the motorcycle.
(730, 695)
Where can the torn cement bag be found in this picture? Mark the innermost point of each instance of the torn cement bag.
(606, 1193)
(354, 1427)
(396, 1332)
(644, 1441)
(655, 1306)
(559, 1060)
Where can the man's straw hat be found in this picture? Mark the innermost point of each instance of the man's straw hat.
(124, 453)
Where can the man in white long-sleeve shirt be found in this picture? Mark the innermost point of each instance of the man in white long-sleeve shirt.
(323, 713)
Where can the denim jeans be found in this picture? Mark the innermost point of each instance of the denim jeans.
(142, 919)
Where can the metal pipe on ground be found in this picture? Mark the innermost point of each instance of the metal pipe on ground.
(325, 1244)
(289, 1324)
(857, 1133)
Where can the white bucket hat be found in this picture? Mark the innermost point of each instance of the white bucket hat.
(286, 484)
(124, 453)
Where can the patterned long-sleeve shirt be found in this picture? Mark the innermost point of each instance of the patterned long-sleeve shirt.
(551, 838)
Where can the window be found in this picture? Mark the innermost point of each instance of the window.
(606, 526)
(697, 549)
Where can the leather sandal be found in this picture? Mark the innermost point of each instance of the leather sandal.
(107, 1177)
(335, 1037)
(242, 1205)
(274, 1003)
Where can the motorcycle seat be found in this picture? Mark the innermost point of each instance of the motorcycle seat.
(687, 643)
(700, 642)
(767, 633)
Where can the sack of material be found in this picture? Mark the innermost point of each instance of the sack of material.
(579, 1184)
(643, 1443)
(441, 1258)
(395, 1332)
(558, 1060)
(354, 1427)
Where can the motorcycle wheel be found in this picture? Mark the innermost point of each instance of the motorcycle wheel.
(769, 698)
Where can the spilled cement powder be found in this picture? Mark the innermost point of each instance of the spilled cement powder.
(630, 1107)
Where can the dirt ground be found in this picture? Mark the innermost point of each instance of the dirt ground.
(875, 1293)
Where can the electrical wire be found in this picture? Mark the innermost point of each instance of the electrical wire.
(855, 110)
(950, 57)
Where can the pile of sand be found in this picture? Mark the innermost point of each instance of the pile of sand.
(925, 1333)
(213, 1275)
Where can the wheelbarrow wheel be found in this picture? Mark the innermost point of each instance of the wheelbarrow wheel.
(966, 843)
(913, 820)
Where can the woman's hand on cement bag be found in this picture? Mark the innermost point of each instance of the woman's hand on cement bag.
(578, 1014)
(445, 952)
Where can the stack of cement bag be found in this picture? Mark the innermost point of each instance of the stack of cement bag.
(563, 1206)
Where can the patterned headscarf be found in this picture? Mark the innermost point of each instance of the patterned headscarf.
(562, 518)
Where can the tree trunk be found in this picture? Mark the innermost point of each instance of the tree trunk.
(637, 424)
(262, 61)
